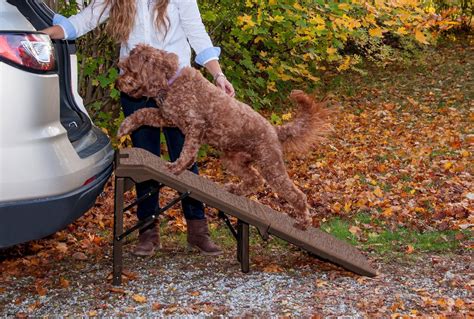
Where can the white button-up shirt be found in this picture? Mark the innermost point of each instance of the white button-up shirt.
(185, 29)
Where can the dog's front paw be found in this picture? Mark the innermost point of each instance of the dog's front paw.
(303, 222)
(124, 129)
(175, 168)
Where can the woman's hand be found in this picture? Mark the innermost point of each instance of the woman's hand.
(219, 78)
(55, 32)
(225, 85)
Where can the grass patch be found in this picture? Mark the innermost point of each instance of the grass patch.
(383, 242)
(388, 242)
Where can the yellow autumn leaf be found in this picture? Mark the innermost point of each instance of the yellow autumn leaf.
(447, 165)
(420, 37)
(344, 6)
(390, 22)
(297, 6)
(271, 87)
(375, 32)
(402, 31)
(347, 207)
(286, 116)
(124, 138)
(320, 27)
(346, 63)
(246, 21)
(378, 192)
(317, 20)
(277, 18)
(431, 10)
(388, 212)
(465, 153)
(331, 51)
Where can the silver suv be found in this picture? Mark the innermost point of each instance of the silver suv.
(53, 161)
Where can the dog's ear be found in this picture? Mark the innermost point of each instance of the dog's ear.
(154, 72)
(172, 61)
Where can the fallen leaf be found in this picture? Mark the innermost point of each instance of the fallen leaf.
(139, 298)
(354, 230)
(272, 268)
(79, 256)
(62, 247)
(117, 290)
(64, 283)
(378, 192)
(40, 289)
(156, 306)
(459, 303)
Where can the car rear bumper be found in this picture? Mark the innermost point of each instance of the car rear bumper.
(21, 221)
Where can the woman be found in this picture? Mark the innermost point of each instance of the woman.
(174, 26)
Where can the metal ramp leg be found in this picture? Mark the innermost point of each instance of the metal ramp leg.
(118, 229)
(241, 235)
(119, 234)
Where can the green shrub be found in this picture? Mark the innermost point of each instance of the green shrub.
(271, 47)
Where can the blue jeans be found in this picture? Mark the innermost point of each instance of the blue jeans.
(148, 138)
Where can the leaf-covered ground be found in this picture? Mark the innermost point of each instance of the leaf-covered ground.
(395, 180)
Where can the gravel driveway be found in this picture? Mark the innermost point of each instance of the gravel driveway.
(282, 282)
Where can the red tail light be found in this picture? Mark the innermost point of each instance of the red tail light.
(29, 50)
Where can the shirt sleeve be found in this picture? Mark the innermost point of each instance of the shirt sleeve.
(196, 33)
(86, 20)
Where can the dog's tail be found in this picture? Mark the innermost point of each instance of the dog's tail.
(310, 126)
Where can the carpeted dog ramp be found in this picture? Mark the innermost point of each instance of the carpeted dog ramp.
(140, 165)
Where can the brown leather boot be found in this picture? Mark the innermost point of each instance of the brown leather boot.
(198, 238)
(148, 241)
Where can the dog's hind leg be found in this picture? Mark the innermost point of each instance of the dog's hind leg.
(274, 171)
(147, 116)
(240, 164)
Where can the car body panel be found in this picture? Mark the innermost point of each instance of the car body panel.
(37, 158)
(10, 20)
(42, 217)
(53, 161)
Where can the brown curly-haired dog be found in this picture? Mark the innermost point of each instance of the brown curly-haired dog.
(252, 147)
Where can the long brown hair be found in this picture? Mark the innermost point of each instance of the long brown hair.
(122, 17)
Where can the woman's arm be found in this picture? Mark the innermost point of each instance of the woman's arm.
(77, 25)
(206, 54)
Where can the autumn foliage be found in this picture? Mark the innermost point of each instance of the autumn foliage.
(271, 46)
